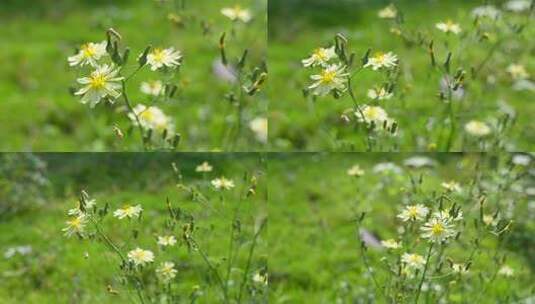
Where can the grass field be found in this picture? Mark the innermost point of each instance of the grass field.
(37, 112)
(70, 270)
(425, 122)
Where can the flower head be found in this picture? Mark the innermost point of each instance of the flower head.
(488, 11)
(355, 171)
(223, 183)
(259, 126)
(517, 71)
(331, 78)
(518, 6)
(140, 257)
(166, 272)
(204, 167)
(154, 87)
(89, 53)
(260, 278)
(75, 225)
(167, 240)
(373, 115)
(152, 118)
(391, 244)
(449, 27)
(477, 128)
(459, 268)
(102, 82)
(413, 213)
(159, 58)
(413, 261)
(451, 186)
(320, 57)
(438, 229)
(389, 12)
(382, 60)
(379, 94)
(506, 271)
(237, 13)
(128, 211)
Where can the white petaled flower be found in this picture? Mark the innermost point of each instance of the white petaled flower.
(373, 115)
(413, 213)
(89, 53)
(89, 204)
(477, 128)
(166, 271)
(387, 168)
(204, 167)
(379, 94)
(140, 257)
(449, 27)
(128, 211)
(355, 171)
(222, 183)
(446, 215)
(517, 71)
(153, 87)
(332, 77)
(459, 268)
(451, 186)
(259, 126)
(490, 220)
(389, 12)
(517, 6)
(320, 57)
(167, 240)
(382, 60)
(506, 271)
(75, 225)
(159, 58)
(488, 11)
(391, 244)
(521, 160)
(102, 82)
(152, 118)
(438, 229)
(260, 278)
(413, 261)
(237, 13)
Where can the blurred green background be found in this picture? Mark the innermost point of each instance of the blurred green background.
(37, 112)
(297, 27)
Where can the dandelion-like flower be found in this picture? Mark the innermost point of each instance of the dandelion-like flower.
(75, 225)
(152, 118)
(517, 71)
(389, 12)
(449, 27)
(413, 213)
(413, 261)
(506, 271)
(320, 57)
(379, 94)
(102, 82)
(391, 244)
(154, 87)
(204, 167)
(477, 128)
(89, 204)
(259, 126)
(140, 257)
(355, 171)
(89, 53)
(128, 211)
(167, 240)
(222, 183)
(332, 77)
(237, 13)
(373, 115)
(451, 186)
(166, 272)
(382, 60)
(159, 58)
(438, 229)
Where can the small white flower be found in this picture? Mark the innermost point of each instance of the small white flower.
(506, 271)
(204, 167)
(449, 27)
(260, 278)
(320, 57)
(517, 71)
(521, 160)
(237, 13)
(379, 94)
(140, 257)
(518, 6)
(154, 88)
(413, 213)
(332, 77)
(413, 261)
(389, 12)
(152, 118)
(355, 171)
(391, 244)
(477, 128)
(102, 82)
(373, 115)
(259, 126)
(167, 240)
(489, 220)
(75, 225)
(387, 168)
(419, 162)
(222, 183)
(89, 53)
(166, 272)
(159, 58)
(128, 211)
(451, 186)
(488, 11)
(459, 268)
(438, 229)
(382, 60)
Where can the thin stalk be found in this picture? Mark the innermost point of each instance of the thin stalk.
(249, 259)
(131, 110)
(423, 274)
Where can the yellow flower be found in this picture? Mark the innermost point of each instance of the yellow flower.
(438, 229)
(391, 244)
(140, 257)
(413, 213)
(75, 225)
(449, 27)
(451, 186)
(222, 183)
(259, 126)
(159, 58)
(477, 128)
(237, 13)
(152, 118)
(89, 53)
(413, 261)
(128, 211)
(320, 57)
(167, 240)
(382, 60)
(332, 77)
(204, 167)
(389, 12)
(166, 272)
(154, 88)
(379, 94)
(517, 71)
(102, 82)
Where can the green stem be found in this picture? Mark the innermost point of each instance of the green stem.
(423, 274)
(131, 110)
(249, 259)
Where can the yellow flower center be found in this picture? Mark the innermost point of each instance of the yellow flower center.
(320, 54)
(328, 77)
(437, 229)
(147, 115)
(88, 51)
(97, 81)
(158, 55)
(373, 113)
(380, 57)
(75, 223)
